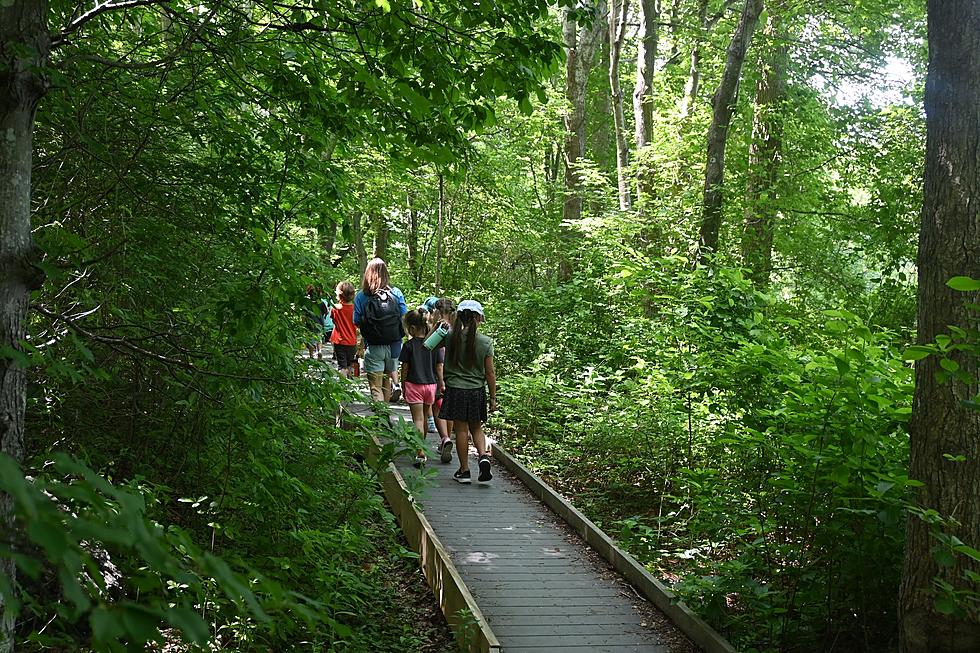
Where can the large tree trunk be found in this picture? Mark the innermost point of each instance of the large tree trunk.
(326, 235)
(580, 50)
(618, 12)
(694, 70)
(381, 232)
(412, 239)
(723, 106)
(24, 46)
(765, 154)
(646, 61)
(439, 230)
(942, 427)
(357, 233)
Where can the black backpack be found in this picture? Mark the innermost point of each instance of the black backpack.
(382, 322)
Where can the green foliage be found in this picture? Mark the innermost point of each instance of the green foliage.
(773, 446)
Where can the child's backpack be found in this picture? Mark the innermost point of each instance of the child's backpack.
(325, 317)
(382, 323)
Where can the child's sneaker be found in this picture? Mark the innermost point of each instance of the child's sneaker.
(462, 477)
(485, 475)
(419, 462)
(446, 451)
(431, 426)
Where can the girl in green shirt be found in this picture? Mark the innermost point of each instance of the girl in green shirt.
(469, 376)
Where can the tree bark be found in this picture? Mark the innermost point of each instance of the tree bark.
(693, 83)
(24, 47)
(357, 233)
(327, 237)
(580, 50)
(723, 106)
(381, 233)
(439, 228)
(765, 154)
(943, 427)
(412, 239)
(646, 61)
(618, 12)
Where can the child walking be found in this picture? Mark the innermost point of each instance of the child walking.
(469, 377)
(344, 336)
(418, 374)
(441, 312)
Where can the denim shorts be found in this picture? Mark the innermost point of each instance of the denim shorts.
(382, 358)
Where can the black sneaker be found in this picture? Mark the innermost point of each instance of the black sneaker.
(396, 394)
(462, 477)
(419, 462)
(446, 451)
(485, 475)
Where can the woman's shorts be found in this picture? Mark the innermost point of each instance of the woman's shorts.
(419, 393)
(467, 405)
(382, 358)
(346, 355)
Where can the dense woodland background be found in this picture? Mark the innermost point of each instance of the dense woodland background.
(694, 225)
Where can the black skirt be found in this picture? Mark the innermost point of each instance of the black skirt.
(467, 405)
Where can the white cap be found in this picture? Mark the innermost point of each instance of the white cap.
(470, 305)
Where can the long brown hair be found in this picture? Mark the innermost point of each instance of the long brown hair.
(375, 277)
(465, 327)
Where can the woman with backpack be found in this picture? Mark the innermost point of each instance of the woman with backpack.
(378, 310)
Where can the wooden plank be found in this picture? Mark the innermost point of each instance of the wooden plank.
(678, 612)
(455, 600)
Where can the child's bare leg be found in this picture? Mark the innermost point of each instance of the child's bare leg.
(418, 417)
(462, 444)
(375, 384)
(479, 440)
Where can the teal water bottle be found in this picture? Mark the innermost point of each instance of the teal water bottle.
(436, 336)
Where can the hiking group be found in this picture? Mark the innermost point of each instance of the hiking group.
(446, 364)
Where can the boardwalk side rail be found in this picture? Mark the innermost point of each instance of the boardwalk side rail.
(659, 594)
(472, 632)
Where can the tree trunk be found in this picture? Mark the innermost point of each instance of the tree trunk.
(601, 142)
(24, 46)
(381, 232)
(646, 61)
(694, 70)
(357, 234)
(412, 238)
(942, 427)
(618, 12)
(723, 106)
(327, 237)
(765, 155)
(439, 229)
(580, 50)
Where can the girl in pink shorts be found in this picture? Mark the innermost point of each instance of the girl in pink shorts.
(418, 372)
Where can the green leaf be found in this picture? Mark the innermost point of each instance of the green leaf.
(949, 364)
(917, 352)
(945, 605)
(965, 284)
(190, 623)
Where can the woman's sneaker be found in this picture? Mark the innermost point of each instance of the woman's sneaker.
(446, 451)
(485, 475)
(462, 477)
(419, 462)
(431, 426)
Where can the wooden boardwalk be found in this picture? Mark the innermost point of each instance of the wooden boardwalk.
(539, 587)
